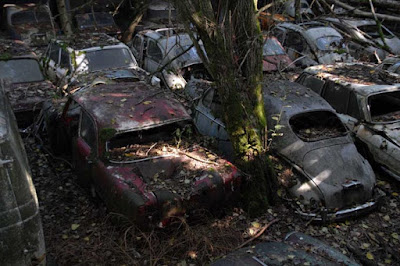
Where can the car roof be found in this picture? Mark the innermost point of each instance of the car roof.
(169, 37)
(81, 41)
(293, 97)
(363, 78)
(14, 49)
(130, 106)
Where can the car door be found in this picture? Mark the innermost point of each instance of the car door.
(51, 61)
(154, 57)
(138, 47)
(85, 153)
(208, 120)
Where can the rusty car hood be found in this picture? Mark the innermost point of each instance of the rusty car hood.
(30, 95)
(130, 106)
(391, 131)
(182, 172)
(271, 62)
(351, 174)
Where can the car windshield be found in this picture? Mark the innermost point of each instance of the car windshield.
(101, 19)
(189, 56)
(30, 16)
(272, 47)
(147, 143)
(372, 30)
(317, 125)
(385, 107)
(21, 70)
(328, 43)
(105, 59)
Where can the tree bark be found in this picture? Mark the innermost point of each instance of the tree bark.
(64, 18)
(297, 11)
(232, 39)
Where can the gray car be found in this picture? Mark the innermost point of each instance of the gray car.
(331, 179)
(21, 234)
(312, 43)
(368, 102)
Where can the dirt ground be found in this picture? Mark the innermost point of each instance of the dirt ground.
(79, 231)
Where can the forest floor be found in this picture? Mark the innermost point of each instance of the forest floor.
(79, 230)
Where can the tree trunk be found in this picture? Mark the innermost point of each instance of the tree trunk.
(64, 18)
(232, 39)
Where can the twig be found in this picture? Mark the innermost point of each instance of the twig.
(147, 97)
(258, 234)
(152, 146)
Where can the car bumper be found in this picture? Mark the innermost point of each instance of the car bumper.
(326, 216)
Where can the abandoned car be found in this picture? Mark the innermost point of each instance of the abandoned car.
(129, 146)
(97, 22)
(367, 106)
(32, 23)
(26, 88)
(21, 233)
(170, 55)
(68, 60)
(312, 43)
(391, 64)
(305, 9)
(330, 179)
(274, 56)
(366, 32)
(296, 249)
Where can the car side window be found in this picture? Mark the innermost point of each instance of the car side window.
(154, 52)
(64, 61)
(216, 105)
(55, 53)
(137, 43)
(88, 131)
(354, 109)
(337, 96)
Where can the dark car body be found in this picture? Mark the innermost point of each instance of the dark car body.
(123, 138)
(332, 180)
(32, 23)
(312, 43)
(296, 249)
(20, 67)
(21, 233)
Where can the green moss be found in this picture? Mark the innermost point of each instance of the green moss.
(5, 56)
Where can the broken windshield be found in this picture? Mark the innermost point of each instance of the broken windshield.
(21, 70)
(190, 56)
(158, 141)
(317, 125)
(30, 16)
(272, 47)
(105, 59)
(101, 19)
(385, 107)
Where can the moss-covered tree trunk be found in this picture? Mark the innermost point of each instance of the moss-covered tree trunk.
(232, 38)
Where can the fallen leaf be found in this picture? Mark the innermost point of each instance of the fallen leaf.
(64, 236)
(395, 236)
(74, 226)
(123, 100)
(369, 256)
(86, 238)
(147, 102)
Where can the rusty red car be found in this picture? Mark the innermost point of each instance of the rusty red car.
(131, 145)
(274, 56)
